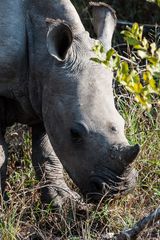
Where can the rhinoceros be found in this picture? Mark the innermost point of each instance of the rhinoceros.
(49, 82)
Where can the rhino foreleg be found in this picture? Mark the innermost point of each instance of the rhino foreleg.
(48, 169)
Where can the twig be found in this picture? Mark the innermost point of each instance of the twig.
(133, 233)
(121, 22)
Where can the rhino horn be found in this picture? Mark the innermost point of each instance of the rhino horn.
(104, 22)
(130, 153)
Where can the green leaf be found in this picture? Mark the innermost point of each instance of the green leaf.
(153, 48)
(146, 76)
(142, 54)
(96, 60)
(110, 54)
(132, 41)
(137, 87)
(143, 101)
(152, 83)
(153, 60)
(135, 27)
(145, 43)
(98, 48)
(125, 68)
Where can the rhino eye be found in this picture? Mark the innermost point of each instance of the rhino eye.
(114, 129)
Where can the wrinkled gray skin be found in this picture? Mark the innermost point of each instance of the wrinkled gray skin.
(48, 81)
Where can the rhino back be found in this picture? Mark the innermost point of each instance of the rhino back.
(12, 45)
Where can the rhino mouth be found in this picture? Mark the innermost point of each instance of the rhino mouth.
(111, 185)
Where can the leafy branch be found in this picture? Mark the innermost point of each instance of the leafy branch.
(140, 74)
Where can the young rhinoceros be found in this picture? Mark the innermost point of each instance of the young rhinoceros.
(48, 81)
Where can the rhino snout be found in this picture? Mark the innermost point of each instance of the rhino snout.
(112, 186)
(118, 177)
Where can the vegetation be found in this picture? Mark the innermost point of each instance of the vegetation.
(23, 217)
(141, 80)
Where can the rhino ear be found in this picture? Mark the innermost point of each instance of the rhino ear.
(104, 22)
(59, 38)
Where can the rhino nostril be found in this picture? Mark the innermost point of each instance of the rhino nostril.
(97, 186)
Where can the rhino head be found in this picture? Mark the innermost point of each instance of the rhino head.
(78, 109)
